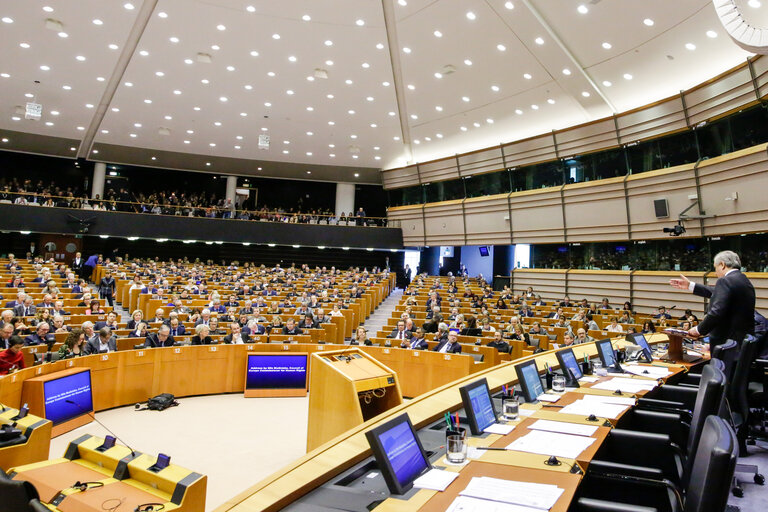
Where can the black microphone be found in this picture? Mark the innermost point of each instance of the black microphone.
(90, 413)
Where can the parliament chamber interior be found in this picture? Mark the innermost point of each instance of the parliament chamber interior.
(396, 255)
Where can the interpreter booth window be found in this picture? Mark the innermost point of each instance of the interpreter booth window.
(749, 127)
(487, 184)
(444, 191)
(550, 256)
(596, 166)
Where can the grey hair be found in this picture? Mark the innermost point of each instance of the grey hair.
(199, 328)
(729, 258)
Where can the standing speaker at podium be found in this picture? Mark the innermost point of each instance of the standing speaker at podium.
(731, 312)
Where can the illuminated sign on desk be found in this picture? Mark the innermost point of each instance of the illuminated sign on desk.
(276, 371)
(60, 392)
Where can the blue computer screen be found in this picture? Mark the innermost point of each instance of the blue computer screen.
(570, 362)
(532, 379)
(403, 453)
(482, 407)
(75, 388)
(276, 371)
(606, 349)
(639, 340)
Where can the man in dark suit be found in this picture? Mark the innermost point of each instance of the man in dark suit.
(731, 312)
(177, 328)
(102, 343)
(110, 322)
(28, 309)
(77, 264)
(556, 314)
(162, 338)
(451, 345)
(399, 332)
(290, 327)
(418, 342)
(254, 328)
(236, 337)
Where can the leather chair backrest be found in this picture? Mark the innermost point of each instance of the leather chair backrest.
(708, 398)
(736, 390)
(36, 506)
(15, 494)
(713, 467)
(717, 363)
(728, 353)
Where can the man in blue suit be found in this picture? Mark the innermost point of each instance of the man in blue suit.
(451, 345)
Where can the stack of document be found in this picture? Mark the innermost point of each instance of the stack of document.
(551, 443)
(498, 428)
(563, 427)
(549, 397)
(651, 372)
(618, 400)
(486, 493)
(435, 479)
(626, 385)
(600, 409)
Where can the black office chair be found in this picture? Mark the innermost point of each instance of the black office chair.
(727, 353)
(16, 494)
(666, 442)
(707, 490)
(36, 506)
(46, 357)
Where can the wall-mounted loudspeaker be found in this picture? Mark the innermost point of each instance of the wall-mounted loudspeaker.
(661, 207)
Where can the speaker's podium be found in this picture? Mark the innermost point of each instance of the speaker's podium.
(347, 388)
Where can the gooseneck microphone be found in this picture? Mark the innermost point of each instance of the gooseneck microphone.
(92, 415)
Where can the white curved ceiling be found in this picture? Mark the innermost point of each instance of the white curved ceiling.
(474, 72)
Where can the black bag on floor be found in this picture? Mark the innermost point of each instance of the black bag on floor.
(161, 402)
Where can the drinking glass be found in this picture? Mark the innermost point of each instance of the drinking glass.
(558, 384)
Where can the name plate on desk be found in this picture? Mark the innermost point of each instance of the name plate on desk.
(416, 353)
(212, 349)
(447, 357)
(105, 357)
(140, 353)
(177, 350)
(386, 351)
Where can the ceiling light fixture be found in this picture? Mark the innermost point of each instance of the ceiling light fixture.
(471, 16)
(509, 5)
(438, 33)
(583, 9)
(359, 23)
(501, 47)
(648, 22)
(539, 40)
(607, 83)
(607, 45)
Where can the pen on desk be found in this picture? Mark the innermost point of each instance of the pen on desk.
(490, 448)
(447, 420)
(553, 406)
(457, 420)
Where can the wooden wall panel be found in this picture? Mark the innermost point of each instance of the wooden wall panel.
(487, 220)
(712, 99)
(444, 223)
(596, 211)
(651, 290)
(742, 173)
(657, 119)
(537, 216)
(549, 283)
(594, 285)
(410, 220)
(400, 177)
(529, 151)
(760, 67)
(479, 162)
(675, 185)
(595, 136)
(439, 170)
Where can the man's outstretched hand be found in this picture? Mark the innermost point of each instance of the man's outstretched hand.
(681, 282)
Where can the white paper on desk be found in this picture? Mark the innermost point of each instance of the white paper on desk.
(599, 409)
(549, 397)
(467, 504)
(563, 427)
(626, 385)
(473, 452)
(649, 372)
(498, 428)
(589, 379)
(526, 494)
(618, 400)
(435, 479)
(551, 443)
(527, 412)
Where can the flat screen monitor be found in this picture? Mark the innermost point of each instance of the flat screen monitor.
(68, 397)
(484, 251)
(276, 371)
(639, 340)
(568, 363)
(399, 453)
(478, 405)
(606, 353)
(530, 382)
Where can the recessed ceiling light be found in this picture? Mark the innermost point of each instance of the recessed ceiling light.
(270, 73)
(168, 118)
(329, 96)
(369, 98)
(495, 88)
(129, 6)
(711, 34)
(188, 61)
(81, 58)
(98, 22)
(223, 99)
(54, 112)
(133, 135)
(81, 128)
(239, 137)
(607, 45)
(467, 62)
(173, 39)
(113, 46)
(331, 123)
(148, 101)
(190, 132)
(350, 112)
(501, 47)
(48, 8)
(359, 23)
(365, 65)
(406, 49)
(607, 83)
(267, 104)
(159, 73)
(471, 16)
(250, 8)
(411, 87)
(212, 144)
(551, 101)
(648, 22)
(391, 114)
(143, 53)
(254, 53)
(230, 68)
(332, 155)
(509, 5)
(292, 58)
(465, 99)
(583, 9)
(310, 109)
(176, 92)
(585, 94)
(414, 116)
(24, 45)
(289, 92)
(439, 108)
(137, 125)
(162, 14)
(45, 68)
(221, 27)
(438, 33)
(17, 118)
(527, 76)
(438, 75)
(29, 95)
(154, 158)
(129, 84)
(215, 47)
(310, 134)
(395, 138)
(285, 151)
(328, 42)
(627, 76)
(476, 124)
(6, 19)
(518, 112)
(348, 81)
(755, 4)
(306, 17)
(63, 35)
(48, 123)
(385, 84)
(331, 145)
(690, 46)
(275, 36)
(463, 128)
(566, 71)
(539, 40)
(489, 121)
(374, 125)
(66, 87)
(100, 79)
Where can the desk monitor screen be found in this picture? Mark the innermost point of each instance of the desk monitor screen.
(109, 442)
(276, 371)
(639, 340)
(68, 397)
(529, 379)
(568, 362)
(399, 453)
(478, 406)
(606, 353)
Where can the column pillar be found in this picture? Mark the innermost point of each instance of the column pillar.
(345, 198)
(97, 184)
(231, 193)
